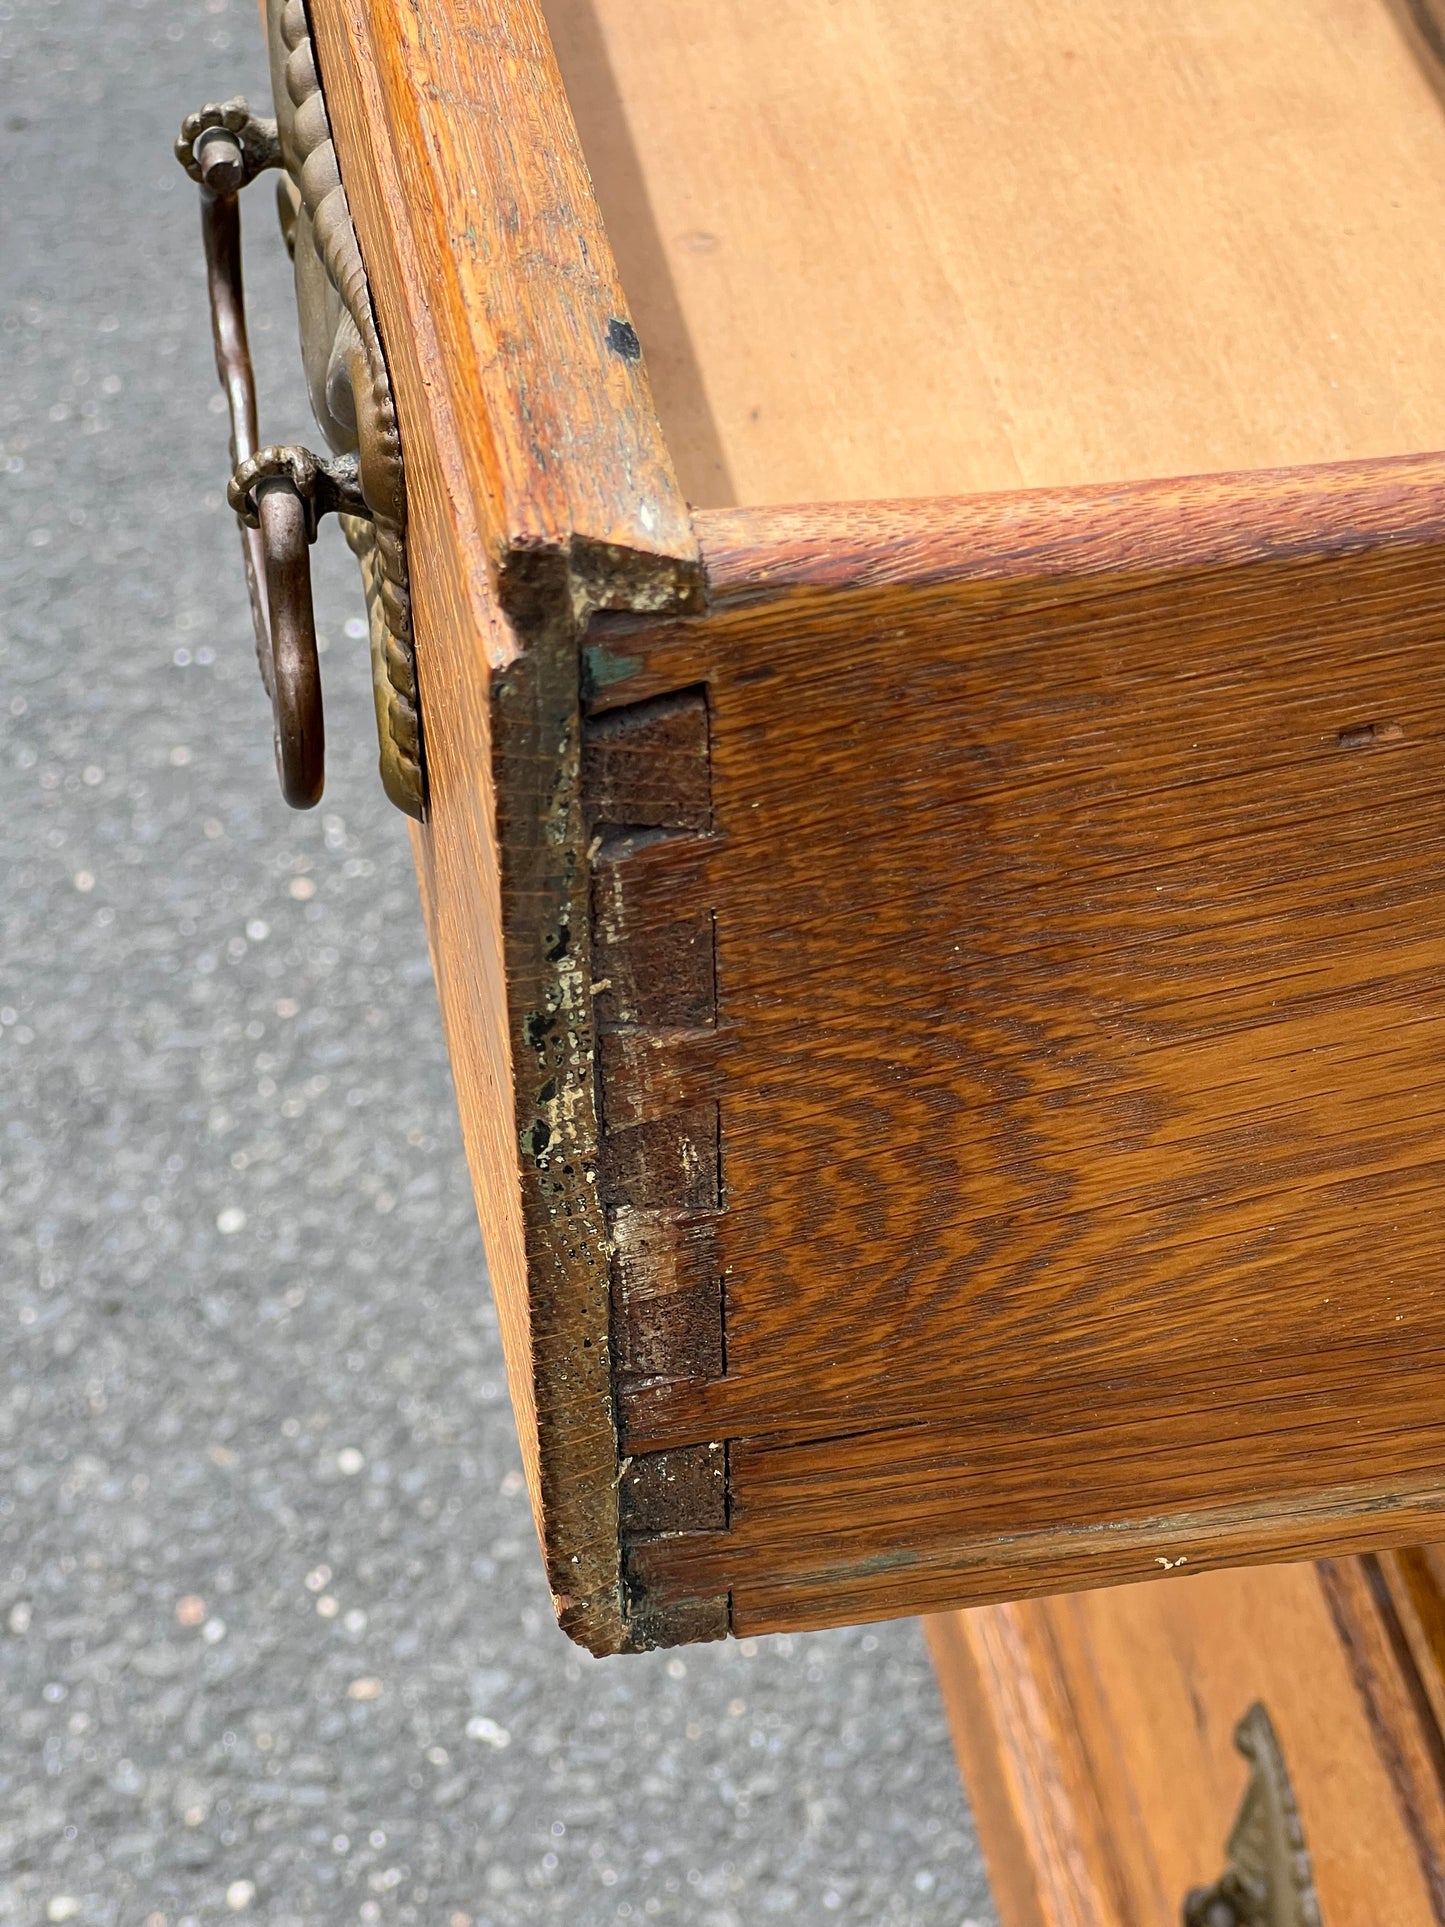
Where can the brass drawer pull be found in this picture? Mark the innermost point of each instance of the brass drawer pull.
(279, 494)
(224, 148)
(1269, 1879)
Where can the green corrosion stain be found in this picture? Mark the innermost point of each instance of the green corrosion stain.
(600, 667)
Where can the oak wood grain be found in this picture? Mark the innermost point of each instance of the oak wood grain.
(1385, 1670)
(945, 996)
(488, 258)
(1078, 946)
(1094, 1733)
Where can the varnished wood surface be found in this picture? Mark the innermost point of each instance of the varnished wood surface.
(930, 247)
(947, 1038)
(1075, 881)
(539, 489)
(1095, 1735)
(490, 268)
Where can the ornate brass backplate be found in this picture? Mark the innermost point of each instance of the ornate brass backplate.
(1269, 1881)
(280, 494)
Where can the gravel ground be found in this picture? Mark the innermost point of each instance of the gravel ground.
(274, 1637)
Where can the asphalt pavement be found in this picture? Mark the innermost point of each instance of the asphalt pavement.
(274, 1641)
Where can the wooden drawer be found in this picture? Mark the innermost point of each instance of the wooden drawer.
(947, 987)
(1101, 1737)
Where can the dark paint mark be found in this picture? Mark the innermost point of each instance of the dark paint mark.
(622, 340)
(557, 949)
(540, 1136)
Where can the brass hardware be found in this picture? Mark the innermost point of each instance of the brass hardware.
(225, 145)
(1269, 1881)
(221, 148)
(280, 494)
(326, 488)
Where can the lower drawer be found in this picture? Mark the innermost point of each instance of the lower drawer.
(1099, 1740)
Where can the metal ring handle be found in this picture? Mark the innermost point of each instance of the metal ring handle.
(223, 147)
(276, 547)
(295, 682)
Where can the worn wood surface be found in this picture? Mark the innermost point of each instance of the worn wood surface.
(915, 247)
(489, 262)
(946, 1033)
(540, 489)
(1094, 1733)
(1065, 1059)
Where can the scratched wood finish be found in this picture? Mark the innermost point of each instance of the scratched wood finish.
(1074, 872)
(918, 247)
(945, 1007)
(483, 240)
(1094, 1734)
(540, 489)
